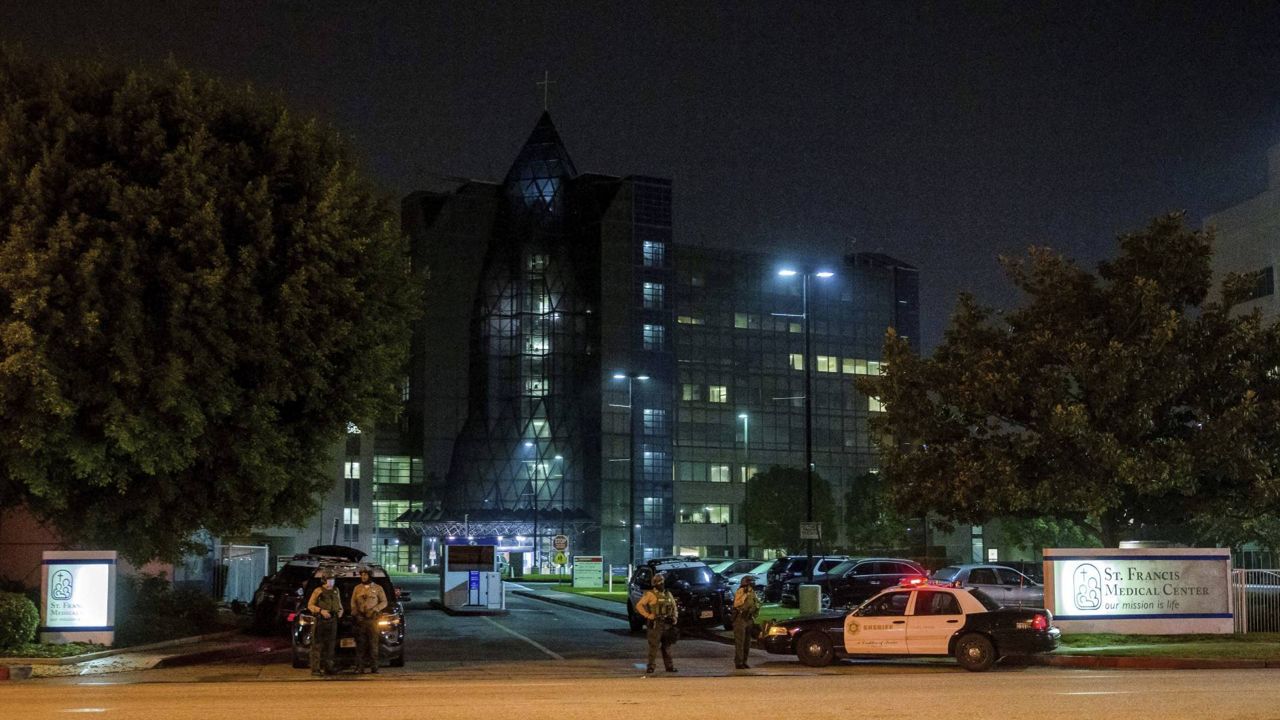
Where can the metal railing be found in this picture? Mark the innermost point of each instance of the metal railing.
(1255, 595)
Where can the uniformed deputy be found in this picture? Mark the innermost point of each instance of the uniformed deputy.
(367, 603)
(745, 608)
(658, 608)
(325, 604)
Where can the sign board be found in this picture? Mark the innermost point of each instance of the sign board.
(993, 555)
(473, 580)
(810, 531)
(560, 559)
(78, 596)
(1146, 591)
(560, 542)
(588, 571)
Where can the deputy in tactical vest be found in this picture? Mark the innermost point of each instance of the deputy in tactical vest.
(746, 606)
(658, 608)
(325, 605)
(367, 603)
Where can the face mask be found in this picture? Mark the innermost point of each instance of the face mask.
(329, 583)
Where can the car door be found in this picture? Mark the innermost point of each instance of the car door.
(986, 580)
(1022, 590)
(935, 617)
(880, 627)
(822, 568)
(852, 589)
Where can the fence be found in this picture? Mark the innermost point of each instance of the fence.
(241, 568)
(1256, 597)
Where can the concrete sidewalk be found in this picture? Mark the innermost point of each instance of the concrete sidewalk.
(174, 653)
(607, 608)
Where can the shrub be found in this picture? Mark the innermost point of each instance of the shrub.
(150, 610)
(18, 620)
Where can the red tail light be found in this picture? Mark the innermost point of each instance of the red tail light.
(1041, 622)
(291, 617)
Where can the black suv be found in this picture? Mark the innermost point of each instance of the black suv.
(278, 597)
(702, 595)
(796, 566)
(851, 582)
(390, 625)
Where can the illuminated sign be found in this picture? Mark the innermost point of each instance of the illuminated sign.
(78, 590)
(1139, 591)
(588, 571)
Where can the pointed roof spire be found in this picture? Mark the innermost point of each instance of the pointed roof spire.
(541, 169)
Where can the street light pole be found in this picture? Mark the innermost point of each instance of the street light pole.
(808, 421)
(630, 377)
(809, 360)
(746, 483)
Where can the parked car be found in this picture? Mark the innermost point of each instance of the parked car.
(791, 566)
(702, 596)
(925, 620)
(851, 582)
(279, 595)
(759, 569)
(1003, 584)
(391, 623)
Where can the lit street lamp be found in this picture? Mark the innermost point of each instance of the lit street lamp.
(630, 377)
(808, 397)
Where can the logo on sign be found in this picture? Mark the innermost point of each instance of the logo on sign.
(1087, 582)
(61, 585)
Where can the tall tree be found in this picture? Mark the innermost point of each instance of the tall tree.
(1125, 400)
(197, 292)
(775, 507)
(871, 520)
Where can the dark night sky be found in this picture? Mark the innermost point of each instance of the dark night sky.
(943, 134)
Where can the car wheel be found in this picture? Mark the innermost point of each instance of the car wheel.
(636, 622)
(814, 649)
(975, 653)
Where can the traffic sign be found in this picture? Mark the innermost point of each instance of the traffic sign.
(560, 542)
(560, 559)
(810, 531)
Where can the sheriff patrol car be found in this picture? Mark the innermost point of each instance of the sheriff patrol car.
(924, 620)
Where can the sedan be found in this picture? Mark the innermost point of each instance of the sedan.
(1003, 584)
(924, 620)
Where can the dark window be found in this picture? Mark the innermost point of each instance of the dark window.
(1011, 577)
(937, 603)
(982, 576)
(946, 574)
(890, 604)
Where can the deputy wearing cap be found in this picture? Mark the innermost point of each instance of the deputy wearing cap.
(325, 604)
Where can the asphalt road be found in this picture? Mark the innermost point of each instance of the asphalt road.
(545, 661)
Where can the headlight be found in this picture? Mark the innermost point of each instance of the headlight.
(776, 631)
(305, 619)
(387, 621)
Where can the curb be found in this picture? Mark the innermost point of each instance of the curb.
(74, 659)
(258, 647)
(1141, 662)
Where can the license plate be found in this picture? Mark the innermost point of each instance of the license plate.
(347, 642)
(705, 614)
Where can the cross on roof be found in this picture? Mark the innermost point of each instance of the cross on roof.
(546, 84)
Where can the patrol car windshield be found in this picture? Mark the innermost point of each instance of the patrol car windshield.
(984, 598)
(689, 575)
(346, 585)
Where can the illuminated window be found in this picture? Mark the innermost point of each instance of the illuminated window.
(655, 421)
(827, 363)
(690, 320)
(796, 360)
(690, 392)
(847, 366)
(538, 262)
(717, 393)
(396, 469)
(404, 390)
(351, 516)
(795, 327)
(654, 337)
(385, 513)
(654, 253)
(874, 404)
(740, 320)
(874, 367)
(720, 473)
(653, 295)
(694, 514)
(748, 472)
(351, 470)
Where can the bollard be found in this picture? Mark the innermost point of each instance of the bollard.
(810, 599)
